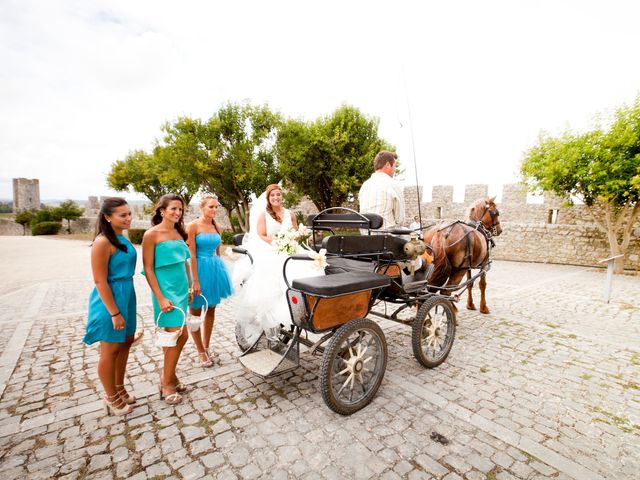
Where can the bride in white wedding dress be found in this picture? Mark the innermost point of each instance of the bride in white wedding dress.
(261, 303)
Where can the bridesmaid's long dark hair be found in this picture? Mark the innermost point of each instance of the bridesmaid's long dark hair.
(162, 204)
(102, 224)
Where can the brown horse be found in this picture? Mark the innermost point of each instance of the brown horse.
(460, 246)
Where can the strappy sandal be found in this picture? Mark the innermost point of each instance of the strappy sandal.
(180, 387)
(213, 356)
(124, 395)
(205, 363)
(110, 405)
(170, 399)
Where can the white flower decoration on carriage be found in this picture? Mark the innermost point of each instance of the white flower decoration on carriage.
(319, 258)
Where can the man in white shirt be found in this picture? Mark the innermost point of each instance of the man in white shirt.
(415, 225)
(381, 194)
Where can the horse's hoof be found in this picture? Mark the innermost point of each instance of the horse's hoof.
(484, 310)
(471, 307)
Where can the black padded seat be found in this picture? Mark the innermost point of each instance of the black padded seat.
(340, 283)
(366, 245)
(342, 264)
(345, 220)
(237, 239)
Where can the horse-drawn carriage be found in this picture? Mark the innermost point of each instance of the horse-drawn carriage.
(329, 313)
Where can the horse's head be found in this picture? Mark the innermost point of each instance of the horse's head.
(485, 211)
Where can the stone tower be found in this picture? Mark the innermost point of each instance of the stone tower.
(26, 194)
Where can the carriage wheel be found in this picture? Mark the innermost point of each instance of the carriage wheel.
(434, 329)
(353, 366)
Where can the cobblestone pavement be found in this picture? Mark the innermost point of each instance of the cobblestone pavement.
(546, 386)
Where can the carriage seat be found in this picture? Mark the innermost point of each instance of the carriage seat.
(341, 265)
(369, 246)
(340, 283)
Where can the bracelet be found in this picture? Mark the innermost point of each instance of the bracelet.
(115, 314)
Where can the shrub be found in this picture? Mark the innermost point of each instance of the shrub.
(135, 235)
(227, 237)
(46, 228)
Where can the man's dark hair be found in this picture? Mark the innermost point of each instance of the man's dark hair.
(384, 157)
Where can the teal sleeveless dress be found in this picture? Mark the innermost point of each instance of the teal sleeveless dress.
(213, 276)
(121, 268)
(169, 266)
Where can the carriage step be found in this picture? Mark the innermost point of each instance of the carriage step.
(267, 362)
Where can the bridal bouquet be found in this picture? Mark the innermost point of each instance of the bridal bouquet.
(292, 241)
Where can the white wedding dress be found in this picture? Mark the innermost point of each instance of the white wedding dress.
(261, 302)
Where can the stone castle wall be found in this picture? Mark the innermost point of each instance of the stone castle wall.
(26, 194)
(528, 234)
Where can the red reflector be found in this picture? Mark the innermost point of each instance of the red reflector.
(294, 300)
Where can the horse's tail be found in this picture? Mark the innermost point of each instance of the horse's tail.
(442, 268)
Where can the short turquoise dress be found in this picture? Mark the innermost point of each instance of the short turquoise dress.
(169, 266)
(213, 276)
(121, 268)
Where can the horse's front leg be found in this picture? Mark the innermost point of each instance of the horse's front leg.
(483, 301)
(470, 305)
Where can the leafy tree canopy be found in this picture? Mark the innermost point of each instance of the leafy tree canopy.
(242, 159)
(600, 167)
(330, 158)
(68, 210)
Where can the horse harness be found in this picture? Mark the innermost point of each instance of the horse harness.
(479, 226)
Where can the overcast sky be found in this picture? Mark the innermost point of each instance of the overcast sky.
(82, 83)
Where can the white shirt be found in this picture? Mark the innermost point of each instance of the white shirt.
(381, 194)
(414, 226)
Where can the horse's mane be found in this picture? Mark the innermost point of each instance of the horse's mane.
(475, 208)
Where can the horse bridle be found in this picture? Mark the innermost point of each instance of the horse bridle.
(494, 219)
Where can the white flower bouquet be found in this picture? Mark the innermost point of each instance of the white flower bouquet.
(292, 241)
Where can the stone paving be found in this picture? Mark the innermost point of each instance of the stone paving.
(545, 386)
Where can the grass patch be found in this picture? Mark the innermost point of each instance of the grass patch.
(530, 458)
(617, 421)
(536, 351)
(586, 376)
(572, 336)
(635, 358)
(552, 325)
(484, 369)
(628, 306)
(631, 386)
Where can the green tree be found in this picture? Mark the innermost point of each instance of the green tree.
(24, 218)
(600, 167)
(45, 214)
(232, 154)
(152, 174)
(68, 210)
(330, 158)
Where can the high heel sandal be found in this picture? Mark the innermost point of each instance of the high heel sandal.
(112, 409)
(126, 398)
(205, 363)
(171, 399)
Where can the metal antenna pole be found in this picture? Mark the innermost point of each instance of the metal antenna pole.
(413, 146)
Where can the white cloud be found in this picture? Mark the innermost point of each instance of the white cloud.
(83, 83)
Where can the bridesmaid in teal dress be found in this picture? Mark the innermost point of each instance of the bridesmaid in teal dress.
(112, 304)
(210, 276)
(165, 258)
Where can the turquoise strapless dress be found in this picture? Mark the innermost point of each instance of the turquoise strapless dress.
(121, 268)
(213, 276)
(169, 266)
